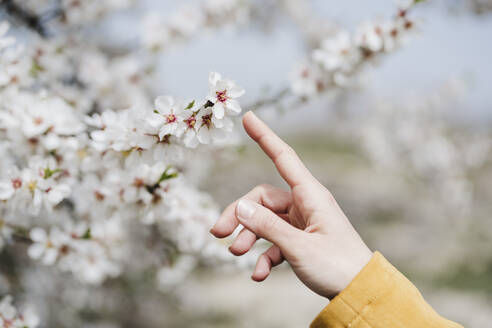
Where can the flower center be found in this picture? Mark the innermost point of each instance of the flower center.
(82, 153)
(16, 183)
(138, 182)
(99, 196)
(190, 121)
(207, 120)
(32, 185)
(171, 118)
(166, 139)
(38, 121)
(221, 96)
(7, 323)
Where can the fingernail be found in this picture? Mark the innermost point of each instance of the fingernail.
(245, 209)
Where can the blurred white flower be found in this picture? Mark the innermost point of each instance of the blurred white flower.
(47, 247)
(5, 41)
(370, 36)
(336, 53)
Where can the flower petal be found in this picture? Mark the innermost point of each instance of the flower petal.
(156, 120)
(38, 235)
(164, 104)
(213, 77)
(203, 135)
(191, 139)
(235, 91)
(165, 129)
(6, 190)
(35, 251)
(233, 105)
(50, 256)
(219, 110)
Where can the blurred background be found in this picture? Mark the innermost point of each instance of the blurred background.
(404, 147)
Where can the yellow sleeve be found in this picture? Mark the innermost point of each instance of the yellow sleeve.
(380, 297)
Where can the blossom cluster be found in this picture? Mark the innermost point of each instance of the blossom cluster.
(75, 184)
(11, 318)
(171, 120)
(342, 55)
(416, 138)
(65, 66)
(74, 12)
(14, 68)
(159, 33)
(35, 187)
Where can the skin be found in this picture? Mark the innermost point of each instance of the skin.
(305, 224)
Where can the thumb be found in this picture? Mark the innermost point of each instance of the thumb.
(266, 224)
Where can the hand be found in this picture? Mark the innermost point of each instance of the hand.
(305, 225)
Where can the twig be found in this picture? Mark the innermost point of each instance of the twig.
(276, 98)
(30, 19)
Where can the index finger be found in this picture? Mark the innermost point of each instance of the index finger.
(283, 156)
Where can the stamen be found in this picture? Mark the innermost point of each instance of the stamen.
(190, 121)
(221, 96)
(171, 118)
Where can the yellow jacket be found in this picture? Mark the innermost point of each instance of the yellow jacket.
(380, 297)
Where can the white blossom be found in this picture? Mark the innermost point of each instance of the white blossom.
(46, 247)
(167, 116)
(223, 94)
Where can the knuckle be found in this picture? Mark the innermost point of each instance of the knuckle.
(257, 190)
(262, 187)
(287, 151)
(290, 151)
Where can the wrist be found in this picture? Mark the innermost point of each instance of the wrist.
(357, 262)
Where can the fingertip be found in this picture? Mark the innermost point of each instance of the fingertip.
(213, 232)
(260, 275)
(226, 224)
(237, 251)
(248, 116)
(258, 278)
(262, 269)
(243, 242)
(219, 230)
(250, 121)
(219, 233)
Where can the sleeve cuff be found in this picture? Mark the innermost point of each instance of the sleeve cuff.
(379, 296)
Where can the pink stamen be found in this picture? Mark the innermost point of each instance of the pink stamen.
(190, 121)
(221, 96)
(171, 118)
(16, 183)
